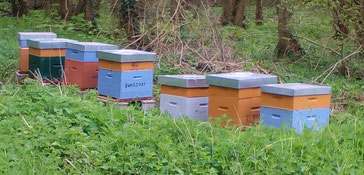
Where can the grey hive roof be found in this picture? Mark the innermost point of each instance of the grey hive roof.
(185, 81)
(240, 80)
(126, 55)
(296, 89)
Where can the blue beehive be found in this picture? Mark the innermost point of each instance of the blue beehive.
(125, 85)
(86, 51)
(23, 37)
(311, 117)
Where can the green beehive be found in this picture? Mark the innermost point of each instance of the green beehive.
(49, 67)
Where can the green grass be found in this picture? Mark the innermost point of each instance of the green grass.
(57, 130)
(43, 127)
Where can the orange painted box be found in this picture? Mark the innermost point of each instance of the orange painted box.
(130, 66)
(184, 92)
(234, 93)
(296, 103)
(243, 112)
(23, 60)
(83, 74)
(47, 52)
(296, 96)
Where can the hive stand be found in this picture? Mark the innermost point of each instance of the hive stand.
(146, 103)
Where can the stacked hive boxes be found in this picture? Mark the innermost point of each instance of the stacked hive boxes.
(23, 38)
(184, 95)
(126, 74)
(46, 57)
(81, 64)
(295, 105)
(237, 95)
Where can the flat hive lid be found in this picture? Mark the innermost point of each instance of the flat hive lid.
(185, 81)
(240, 80)
(36, 35)
(126, 55)
(295, 89)
(90, 46)
(57, 43)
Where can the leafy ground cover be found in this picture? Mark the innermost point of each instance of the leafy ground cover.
(53, 130)
(50, 130)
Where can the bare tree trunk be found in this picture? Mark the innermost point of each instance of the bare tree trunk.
(240, 13)
(62, 8)
(14, 8)
(80, 7)
(259, 12)
(89, 11)
(228, 7)
(287, 44)
(360, 24)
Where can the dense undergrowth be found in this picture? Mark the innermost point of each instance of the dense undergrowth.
(52, 130)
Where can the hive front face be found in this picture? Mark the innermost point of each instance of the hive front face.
(83, 74)
(178, 106)
(243, 112)
(23, 60)
(125, 85)
(48, 67)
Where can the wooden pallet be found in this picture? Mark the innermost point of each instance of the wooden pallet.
(146, 103)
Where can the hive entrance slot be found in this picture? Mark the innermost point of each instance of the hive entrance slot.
(203, 104)
(311, 117)
(223, 108)
(276, 116)
(173, 103)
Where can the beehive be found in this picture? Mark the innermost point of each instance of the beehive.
(129, 84)
(23, 38)
(47, 57)
(236, 95)
(184, 95)
(81, 64)
(295, 105)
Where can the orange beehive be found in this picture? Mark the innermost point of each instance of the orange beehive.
(47, 52)
(236, 95)
(23, 60)
(184, 92)
(128, 66)
(241, 105)
(296, 103)
(83, 74)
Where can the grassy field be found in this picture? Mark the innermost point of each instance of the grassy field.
(57, 130)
